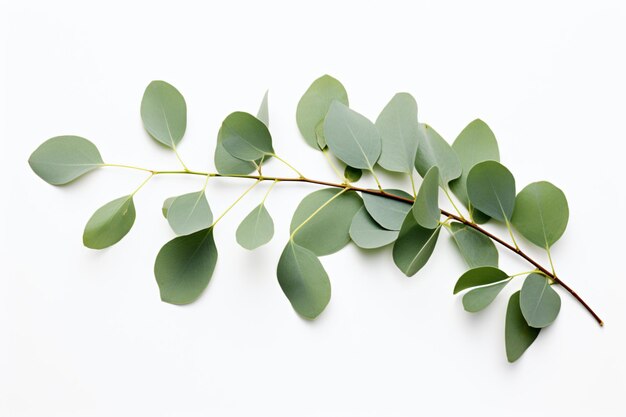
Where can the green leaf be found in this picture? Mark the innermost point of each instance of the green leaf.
(328, 231)
(367, 234)
(352, 174)
(476, 248)
(184, 266)
(110, 223)
(540, 304)
(303, 280)
(491, 189)
(518, 335)
(432, 151)
(166, 205)
(352, 137)
(479, 298)
(62, 159)
(475, 144)
(387, 212)
(314, 105)
(414, 246)
(319, 134)
(483, 275)
(245, 137)
(189, 213)
(264, 113)
(541, 213)
(256, 229)
(426, 206)
(164, 113)
(397, 124)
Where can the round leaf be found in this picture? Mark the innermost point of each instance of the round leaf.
(541, 213)
(387, 212)
(314, 105)
(483, 275)
(518, 335)
(184, 266)
(540, 304)
(303, 280)
(476, 248)
(432, 151)
(491, 189)
(164, 113)
(368, 234)
(479, 298)
(397, 124)
(414, 246)
(352, 174)
(245, 137)
(328, 231)
(426, 206)
(256, 229)
(351, 137)
(62, 159)
(189, 213)
(110, 223)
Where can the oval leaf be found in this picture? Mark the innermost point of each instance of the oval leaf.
(110, 223)
(491, 189)
(367, 234)
(479, 298)
(303, 280)
(314, 105)
(245, 137)
(389, 213)
(189, 213)
(476, 248)
(352, 137)
(541, 213)
(414, 246)
(352, 174)
(426, 206)
(518, 335)
(184, 266)
(432, 151)
(328, 231)
(164, 113)
(62, 159)
(540, 304)
(256, 229)
(477, 277)
(397, 124)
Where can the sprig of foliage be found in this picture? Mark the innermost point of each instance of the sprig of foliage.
(327, 220)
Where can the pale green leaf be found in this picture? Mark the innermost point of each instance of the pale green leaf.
(256, 229)
(414, 246)
(184, 266)
(164, 113)
(303, 280)
(540, 304)
(189, 213)
(319, 134)
(397, 124)
(62, 159)
(432, 151)
(518, 335)
(387, 212)
(264, 113)
(491, 189)
(352, 137)
(426, 206)
(110, 223)
(479, 298)
(541, 213)
(245, 137)
(314, 105)
(476, 277)
(367, 234)
(166, 205)
(476, 248)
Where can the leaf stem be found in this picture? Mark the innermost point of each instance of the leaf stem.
(413, 185)
(179, 158)
(127, 166)
(288, 164)
(236, 201)
(332, 164)
(268, 191)
(142, 184)
(445, 190)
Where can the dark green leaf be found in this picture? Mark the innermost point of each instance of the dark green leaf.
(110, 223)
(387, 212)
(479, 298)
(184, 266)
(483, 275)
(352, 137)
(414, 246)
(540, 304)
(518, 335)
(245, 137)
(432, 151)
(164, 113)
(189, 213)
(541, 213)
(426, 206)
(314, 105)
(256, 229)
(352, 174)
(491, 189)
(397, 124)
(303, 280)
(476, 248)
(62, 159)
(368, 234)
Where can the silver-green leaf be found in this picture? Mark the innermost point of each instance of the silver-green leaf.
(475, 248)
(476, 277)
(110, 223)
(540, 304)
(432, 151)
(426, 206)
(518, 335)
(164, 113)
(387, 212)
(245, 137)
(397, 124)
(189, 213)
(491, 189)
(367, 234)
(479, 298)
(414, 246)
(256, 229)
(62, 159)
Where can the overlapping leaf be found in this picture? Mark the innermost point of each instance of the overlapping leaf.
(188, 213)
(433, 151)
(397, 124)
(387, 212)
(518, 335)
(367, 234)
(414, 246)
(491, 189)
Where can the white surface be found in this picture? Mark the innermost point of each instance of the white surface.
(83, 333)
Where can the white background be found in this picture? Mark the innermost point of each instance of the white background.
(83, 333)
